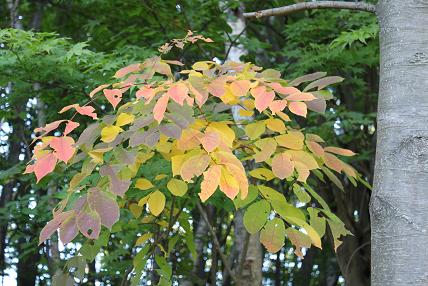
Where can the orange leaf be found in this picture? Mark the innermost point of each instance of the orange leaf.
(63, 147)
(282, 166)
(229, 185)
(114, 96)
(302, 170)
(217, 87)
(189, 139)
(333, 162)
(160, 108)
(301, 96)
(194, 166)
(298, 108)
(339, 151)
(210, 182)
(240, 87)
(315, 148)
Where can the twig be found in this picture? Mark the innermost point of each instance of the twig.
(286, 10)
(217, 244)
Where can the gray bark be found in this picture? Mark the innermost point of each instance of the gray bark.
(399, 204)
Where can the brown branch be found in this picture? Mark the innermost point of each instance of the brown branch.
(285, 10)
(217, 244)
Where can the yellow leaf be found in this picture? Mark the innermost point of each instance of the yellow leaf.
(275, 124)
(229, 185)
(124, 118)
(160, 177)
(254, 130)
(292, 140)
(226, 133)
(156, 203)
(262, 174)
(177, 187)
(245, 113)
(136, 210)
(109, 133)
(98, 154)
(143, 184)
(304, 158)
(142, 239)
(143, 201)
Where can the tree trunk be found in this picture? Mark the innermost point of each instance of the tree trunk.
(399, 204)
(248, 268)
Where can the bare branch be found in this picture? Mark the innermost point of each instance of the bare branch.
(285, 10)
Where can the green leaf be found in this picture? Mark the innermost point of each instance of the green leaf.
(256, 215)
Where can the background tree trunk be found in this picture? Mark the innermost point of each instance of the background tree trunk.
(399, 204)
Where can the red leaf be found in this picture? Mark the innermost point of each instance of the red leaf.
(63, 147)
(160, 108)
(44, 166)
(114, 96)
(298, 108)
(70, 126)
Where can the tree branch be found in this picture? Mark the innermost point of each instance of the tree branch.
(217, 243)
(285, 10)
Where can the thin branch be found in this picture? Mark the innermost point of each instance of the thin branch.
(217, 243)
(285, 10)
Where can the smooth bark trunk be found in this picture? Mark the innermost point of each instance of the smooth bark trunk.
(399, 203)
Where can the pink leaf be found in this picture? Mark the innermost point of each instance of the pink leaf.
(126, 70)
(178, 93)
(282, 166)
(160, 108)
(298, 108)
(83, 110)
(49, 127)
(97, 89)
(277, 105)
(263, 98)
(240, 87)
(105, 206)
(146, 91)
(68, 230)
(283, 89)
(53, 225)
(44, 165)
(210, 141)
(217, 87)
(70, 126)
(63, 147)
(89, 224)
(114, 96)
